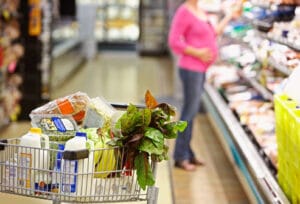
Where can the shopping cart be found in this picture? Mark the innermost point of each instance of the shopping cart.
(20, 175)
(34, 172)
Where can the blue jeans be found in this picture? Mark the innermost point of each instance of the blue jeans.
(193, 85)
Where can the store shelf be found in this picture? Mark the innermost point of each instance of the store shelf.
(246, 156)
(279, 40)
(64, 47)
(257, 86)
(283, 69)
(262, 4)
(119, 5)
(284, 41)
(113, 22)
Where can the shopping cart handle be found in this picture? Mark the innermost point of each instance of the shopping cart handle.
(124, 105)
(3, 144)
(75, 155)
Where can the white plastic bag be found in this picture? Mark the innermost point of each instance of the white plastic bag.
(292, 85)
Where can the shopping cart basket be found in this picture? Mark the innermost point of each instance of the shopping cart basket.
(33, 172)
(20, 176)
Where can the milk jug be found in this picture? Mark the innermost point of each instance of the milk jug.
(77, 167)
(33, 156)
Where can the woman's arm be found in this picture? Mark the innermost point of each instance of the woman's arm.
(223, 23)
(236, 13)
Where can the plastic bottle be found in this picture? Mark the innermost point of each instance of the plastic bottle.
(10, 174)
(33, 156)
(77, 167)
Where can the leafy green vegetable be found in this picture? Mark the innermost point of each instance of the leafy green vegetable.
(133, 119)
(147, 145)
(155, 135)
(142, 131)
(144, 173)
(172, 128)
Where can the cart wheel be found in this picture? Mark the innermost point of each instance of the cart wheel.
(152, 195)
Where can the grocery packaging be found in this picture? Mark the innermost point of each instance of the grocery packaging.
(32, 154)
(74, 104)
(292, 85)
(98, 114)
(77, 167)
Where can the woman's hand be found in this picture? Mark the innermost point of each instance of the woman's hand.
(237, 10)
(204, 54)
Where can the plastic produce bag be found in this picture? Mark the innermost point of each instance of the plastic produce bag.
(291, 87)
(99, 114)
(74, 104)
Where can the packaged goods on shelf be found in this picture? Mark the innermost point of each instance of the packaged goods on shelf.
(11, 53)
(252, 110)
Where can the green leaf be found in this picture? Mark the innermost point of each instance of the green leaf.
(167, 108)
(151, 147)
(143, 170)
(146, 114)
(155, 135)
(171, 129)
(161, 157)
(134, 119)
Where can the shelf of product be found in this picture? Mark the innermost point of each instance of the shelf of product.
(117, 21)
(36, 24)
(65, 36)
(247, 121)
(279, 56)
(282, 26)
(11, 53)
(153, 27)
(90, 151)
(264, 78)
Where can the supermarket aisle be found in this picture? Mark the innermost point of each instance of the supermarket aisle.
(124, 77)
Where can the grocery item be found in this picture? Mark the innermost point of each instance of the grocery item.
(33, 154)
(143, 133)
(292, 85)
(77, 167)
(98, 114)
(10, 174)
(105, 160)
(74, 104)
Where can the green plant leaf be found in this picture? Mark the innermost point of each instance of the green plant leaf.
(161, 157)
(171, 129)
(155, 135)
(143, 170)
(151, 147)
(134, 119)
(167, 108)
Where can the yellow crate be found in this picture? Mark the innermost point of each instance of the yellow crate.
(288, 140)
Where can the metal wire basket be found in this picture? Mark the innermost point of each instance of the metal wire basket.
(101, 174)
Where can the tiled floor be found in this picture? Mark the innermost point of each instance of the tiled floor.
(124, 77)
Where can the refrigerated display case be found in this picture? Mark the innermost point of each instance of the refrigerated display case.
(66, 44)
(153, 27)
(255, 163)
(117, 22)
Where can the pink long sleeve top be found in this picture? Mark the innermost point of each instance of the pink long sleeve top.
(188, 30)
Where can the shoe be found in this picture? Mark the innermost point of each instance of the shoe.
(185, 165)
(197, 162)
